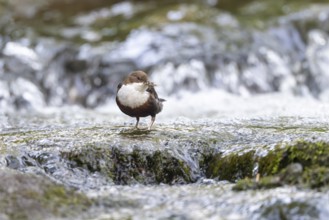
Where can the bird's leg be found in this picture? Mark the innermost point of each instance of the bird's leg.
(152, 121)
(136, 126)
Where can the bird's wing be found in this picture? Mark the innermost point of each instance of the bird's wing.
(151, 90)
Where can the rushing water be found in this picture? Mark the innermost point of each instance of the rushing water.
(237, 78)
(288, 55)
(73, 147)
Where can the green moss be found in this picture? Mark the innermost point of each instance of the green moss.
(316, 177)
(168, 169)
(88, 159)
(128, 167)
(319, 129)
(304, 164)
(231, 167)
(290, 175)
(264, 183)
(269, 164)
(137, 166)
(58, 198)
(308, 154)
(244, 184)
(27, 196)
(292, 210)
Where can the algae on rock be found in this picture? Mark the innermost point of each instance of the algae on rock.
(231, 167)
(305, 164)
(137, 166)
(29, 196)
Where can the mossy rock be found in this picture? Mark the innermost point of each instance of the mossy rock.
(308, 154)
(137, 166)
(285, 165)
(292, 175)
(264, 183)
(316, 177)
(28, 196)
(231, 167)
(305, 164)
(293, 210)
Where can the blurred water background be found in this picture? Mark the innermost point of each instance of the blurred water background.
(67, 52)
(238, 76)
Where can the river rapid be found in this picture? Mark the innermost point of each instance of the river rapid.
(242, 82)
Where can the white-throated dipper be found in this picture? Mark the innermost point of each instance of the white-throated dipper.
(137, 97)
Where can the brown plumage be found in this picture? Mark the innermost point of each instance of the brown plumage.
(137, 97)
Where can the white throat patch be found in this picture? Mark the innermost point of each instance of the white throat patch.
(133, 95)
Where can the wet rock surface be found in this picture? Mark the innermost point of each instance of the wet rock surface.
(243, 134)
(213, 201)
(177, 169)
(30, 196)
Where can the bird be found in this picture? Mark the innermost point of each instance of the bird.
(137, 97)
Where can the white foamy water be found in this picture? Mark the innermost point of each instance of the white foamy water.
(217, 104)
